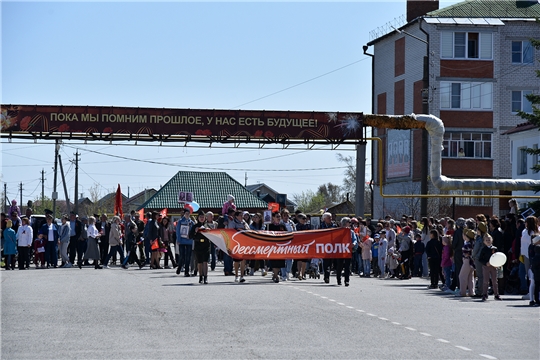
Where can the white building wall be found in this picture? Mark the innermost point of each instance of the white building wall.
(518, 140)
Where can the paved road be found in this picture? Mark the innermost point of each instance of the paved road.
(155, 314)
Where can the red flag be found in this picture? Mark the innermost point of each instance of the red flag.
(163, 212)
(118, 203)
(141, 215)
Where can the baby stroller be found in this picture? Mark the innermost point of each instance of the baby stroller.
(313, 269)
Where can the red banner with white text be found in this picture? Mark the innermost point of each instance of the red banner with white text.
(275, 245)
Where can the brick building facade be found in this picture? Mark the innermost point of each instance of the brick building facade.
(470, 64)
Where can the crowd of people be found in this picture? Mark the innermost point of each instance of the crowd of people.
(454, 254)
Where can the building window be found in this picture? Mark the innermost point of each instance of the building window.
(470, 201)
(522, 161)
(520, 101)
(466, 45)
(466, 95)
(468, 145)
(522, 52)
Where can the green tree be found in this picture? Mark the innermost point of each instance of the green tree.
(331, 193)
(309, 202)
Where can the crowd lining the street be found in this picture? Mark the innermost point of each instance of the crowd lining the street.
(453, 254)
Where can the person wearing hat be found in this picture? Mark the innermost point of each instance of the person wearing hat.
(184, 242)
(10, 246)
(229, 204)
(466, 275)
(481, 230)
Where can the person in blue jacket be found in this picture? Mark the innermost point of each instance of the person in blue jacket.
(184, 243)
(10, 246)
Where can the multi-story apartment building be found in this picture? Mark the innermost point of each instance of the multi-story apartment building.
(470, 64)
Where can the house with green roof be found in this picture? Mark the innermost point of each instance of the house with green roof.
(470, 64)
(210, 191)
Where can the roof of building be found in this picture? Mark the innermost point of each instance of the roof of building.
(111, 197)
(210, 190)
(137, 197)
(505, 9)
(521, 127)
(254, 187)
(476, 12)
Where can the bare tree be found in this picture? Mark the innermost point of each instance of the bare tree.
(349, 181)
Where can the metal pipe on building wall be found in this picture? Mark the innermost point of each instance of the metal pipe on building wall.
(435, 128)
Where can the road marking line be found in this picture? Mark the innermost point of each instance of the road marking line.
(350, 307)
(331, 300)
(443, 341)
(324, 297)
(488, 356)
(395, 323)
(384, 319)
(316, 294)
(410, 328)
(360, 310)
(463, 348)
(309, 292)
(340, 303)
(369, 314)
(425, 334)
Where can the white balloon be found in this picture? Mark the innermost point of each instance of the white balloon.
(497, 259)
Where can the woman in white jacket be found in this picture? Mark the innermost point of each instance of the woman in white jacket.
(25, 236)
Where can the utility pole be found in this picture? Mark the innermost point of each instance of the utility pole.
(21, 188)
(245, 181)
(42, 187)
(76, 199)
(55, 193)
(5, 198)
(64, 182)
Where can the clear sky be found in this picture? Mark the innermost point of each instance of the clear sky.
(203, 55)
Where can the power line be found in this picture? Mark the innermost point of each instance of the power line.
(203, 167)
(301, 83)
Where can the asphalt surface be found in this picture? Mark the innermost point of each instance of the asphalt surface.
(156, 314)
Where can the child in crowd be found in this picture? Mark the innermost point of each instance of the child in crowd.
(392, 262)
(39, 251)
(375, 257)
(383, 249)
(488, 270)
(446, 261)
(466, 275)
(419, 248)
(366, 254)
